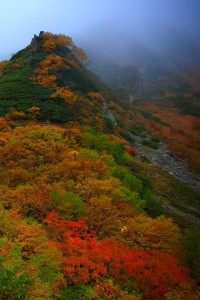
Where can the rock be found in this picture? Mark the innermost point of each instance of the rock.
(34, 40)
(171, 163)
(108, 114)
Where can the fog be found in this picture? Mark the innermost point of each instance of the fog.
(124, 30)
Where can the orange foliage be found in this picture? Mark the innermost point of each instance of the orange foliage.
(79, 53)
(50, 63)
(95, 96)
(15, 66)
(53, 62)
(33, 112)
(182, 137)
(48, 81)
(65, 94)
(63, 40)
(15, 115)
(52, 40)
(49, 41)
(3, 64)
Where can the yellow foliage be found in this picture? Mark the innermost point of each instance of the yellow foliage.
(79, 53)
(183, 292)
(65, 94)
(3, 64)
(15, 66)
(102, 215)
(45, 80)
(95, 96)
(160, 233)
(15, 115)
(52, 40)
(52, 63)
(63, 40)
(33, 112)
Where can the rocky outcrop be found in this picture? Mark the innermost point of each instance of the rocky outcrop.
(34, 40)
(107, 114)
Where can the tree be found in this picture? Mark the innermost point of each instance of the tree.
(102, 216)
(160, 233)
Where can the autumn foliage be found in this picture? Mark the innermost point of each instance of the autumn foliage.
(3, 64)
(74, 199)
(65, 217)
(45, 72)
(87, 259)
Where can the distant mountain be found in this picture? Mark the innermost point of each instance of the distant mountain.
(110, 45)
(128, 63)
(175, 47)
(157, 45)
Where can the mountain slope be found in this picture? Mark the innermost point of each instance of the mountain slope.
(23, 85)
(80, 210)
(163, 90)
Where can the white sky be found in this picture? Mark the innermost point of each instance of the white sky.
(20, 19)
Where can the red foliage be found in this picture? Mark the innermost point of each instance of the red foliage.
(132, 151)
(87, 259)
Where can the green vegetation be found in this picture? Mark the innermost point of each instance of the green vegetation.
(191, 246)
(18, 92)
(152, 143)
(139, 129)
(147, 115)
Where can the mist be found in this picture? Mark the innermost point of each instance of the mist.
(126, 31)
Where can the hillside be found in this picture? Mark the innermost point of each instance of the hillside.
(159, 72)
(84, 214)
(36, 75)
(167, 98)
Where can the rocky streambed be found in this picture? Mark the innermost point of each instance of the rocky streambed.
(168, 161)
